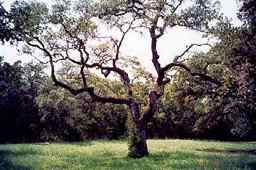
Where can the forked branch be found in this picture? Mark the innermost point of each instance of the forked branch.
(90, 90)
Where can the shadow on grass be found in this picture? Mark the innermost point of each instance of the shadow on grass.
(7, 162)
(231, 151)
(176, 160)
(157, 160)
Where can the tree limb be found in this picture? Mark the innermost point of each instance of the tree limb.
(200, 75)
(89, 90)
(187, 50)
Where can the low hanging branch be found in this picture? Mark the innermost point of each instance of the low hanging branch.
(89, 90)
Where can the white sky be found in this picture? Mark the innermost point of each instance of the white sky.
(171, 44)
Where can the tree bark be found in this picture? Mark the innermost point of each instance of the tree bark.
(137, 144)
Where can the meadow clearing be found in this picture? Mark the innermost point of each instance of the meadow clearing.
(102, 154)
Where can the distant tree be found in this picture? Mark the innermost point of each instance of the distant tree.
(233, 61)
(18, 108)
(244, 60)
(71, 31)
(244, 54)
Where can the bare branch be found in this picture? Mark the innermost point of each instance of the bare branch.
(82, 64)
(187, 50)
(176, 8)
(155, 55)
(89, 90)
(106, 99)
(118, 46)
(154, 39)
(200, 75)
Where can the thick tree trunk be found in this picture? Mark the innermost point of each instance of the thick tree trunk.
(137, 144)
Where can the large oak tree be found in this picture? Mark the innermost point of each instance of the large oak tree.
(76, 32)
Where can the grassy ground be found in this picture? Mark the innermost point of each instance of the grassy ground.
(98, 155)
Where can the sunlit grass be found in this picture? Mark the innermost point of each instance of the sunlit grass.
(99, 155)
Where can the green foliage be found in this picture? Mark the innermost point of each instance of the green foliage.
(68, 118)
(28, 17)
(18, 113)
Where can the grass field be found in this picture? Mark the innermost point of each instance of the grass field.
(98, 155)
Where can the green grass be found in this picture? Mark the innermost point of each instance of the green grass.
(99, 155)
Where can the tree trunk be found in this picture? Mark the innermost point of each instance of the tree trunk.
(137, 144)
